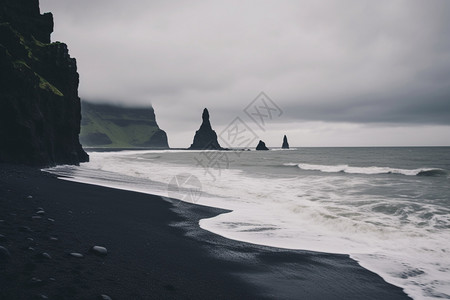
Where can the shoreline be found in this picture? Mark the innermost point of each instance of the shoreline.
(155, 250)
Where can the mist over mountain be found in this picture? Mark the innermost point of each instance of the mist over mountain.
(105, 125)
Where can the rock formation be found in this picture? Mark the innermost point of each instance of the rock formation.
(205, 138)
(120, 127)
(285, 143)
(261, 146)
(39, 103)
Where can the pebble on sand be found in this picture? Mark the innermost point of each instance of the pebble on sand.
(76, 254)
(36, 282)
(44, 255)
(105, 297)
(98, 250)
(40, 212)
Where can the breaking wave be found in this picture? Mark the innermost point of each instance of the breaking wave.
(369, 170)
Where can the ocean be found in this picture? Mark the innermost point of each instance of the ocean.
(388, 208)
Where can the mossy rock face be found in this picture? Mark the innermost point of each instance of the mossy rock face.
(47, 86)
(95, 139)
(120, 127)
(39, 103)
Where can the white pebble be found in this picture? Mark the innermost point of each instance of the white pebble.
(46, 255)
(99, 250)
(77, 255)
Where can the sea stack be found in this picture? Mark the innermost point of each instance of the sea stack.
(261, 146)
(39, 108)
(205, 138)
(285, 143)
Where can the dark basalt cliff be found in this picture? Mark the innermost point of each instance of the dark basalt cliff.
(205, 138)
(261, 146)
(285, 143)
(39, 104)
(106, 125)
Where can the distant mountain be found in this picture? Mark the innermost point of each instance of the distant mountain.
(39, 103)
(120, 127)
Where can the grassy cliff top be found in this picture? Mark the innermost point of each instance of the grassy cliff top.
(120, 127)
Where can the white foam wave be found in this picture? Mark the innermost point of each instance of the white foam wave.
(361, 170)
(281, 149)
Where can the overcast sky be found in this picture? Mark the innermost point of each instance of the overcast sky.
(343, 73)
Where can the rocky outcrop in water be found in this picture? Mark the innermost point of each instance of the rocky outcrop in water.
(205, 138)
(261, 146)
(39, 103)
(285, 143)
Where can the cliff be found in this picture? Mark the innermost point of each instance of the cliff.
(205, 138)
(120, 127)
(39, 104)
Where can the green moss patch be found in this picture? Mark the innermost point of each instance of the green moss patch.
(19, 64)
(45, 85)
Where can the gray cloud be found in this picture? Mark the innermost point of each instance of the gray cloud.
(354, 61)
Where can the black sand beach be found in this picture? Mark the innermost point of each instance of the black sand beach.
(155, 250)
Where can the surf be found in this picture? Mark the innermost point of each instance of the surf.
(372, 170)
